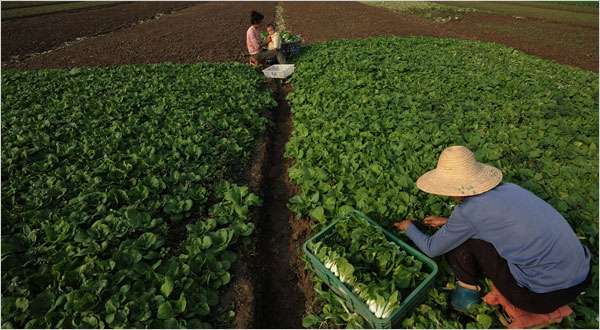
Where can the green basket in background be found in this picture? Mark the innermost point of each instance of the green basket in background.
(413, 300)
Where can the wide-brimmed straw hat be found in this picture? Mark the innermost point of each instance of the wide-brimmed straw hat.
(459, 174)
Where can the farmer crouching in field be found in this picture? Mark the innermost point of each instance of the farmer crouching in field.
(253, 41)
(523, 245)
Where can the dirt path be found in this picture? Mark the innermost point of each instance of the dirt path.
(282, 295)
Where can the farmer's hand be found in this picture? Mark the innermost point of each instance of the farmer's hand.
(403, 225)
(435, 222)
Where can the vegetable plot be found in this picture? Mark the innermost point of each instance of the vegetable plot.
(372, 115)
(121, 206)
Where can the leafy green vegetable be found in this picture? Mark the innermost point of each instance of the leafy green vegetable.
(376, 270)
(372, 115)
(287, 37)
(100, 168)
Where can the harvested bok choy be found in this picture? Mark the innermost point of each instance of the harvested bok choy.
(359, 253)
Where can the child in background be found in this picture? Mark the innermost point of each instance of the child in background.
(275, 43)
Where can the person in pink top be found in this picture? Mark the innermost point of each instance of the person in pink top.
(254, 43)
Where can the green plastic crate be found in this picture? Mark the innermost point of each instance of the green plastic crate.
(412, 301)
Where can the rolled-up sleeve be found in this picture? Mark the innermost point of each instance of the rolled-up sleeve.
(455, 232)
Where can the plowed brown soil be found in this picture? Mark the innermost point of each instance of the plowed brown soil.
(215, 31)
(204, 32)
(568, 44)
(21, 37)
(320, 21)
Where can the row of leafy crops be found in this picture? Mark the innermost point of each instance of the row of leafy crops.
(122, 202)
(372, 115)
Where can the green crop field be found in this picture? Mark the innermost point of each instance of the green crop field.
(440, 12)
(122, 203)
(372, 115)
(125, 195)
(575, 3)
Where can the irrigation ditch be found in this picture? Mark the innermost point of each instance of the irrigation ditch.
(271, 289)
(281, 300)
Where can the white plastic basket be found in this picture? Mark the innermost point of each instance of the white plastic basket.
(279, 71)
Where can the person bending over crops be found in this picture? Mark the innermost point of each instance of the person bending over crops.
(521, 243)
(254, 43)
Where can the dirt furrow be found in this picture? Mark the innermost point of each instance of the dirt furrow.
(281, 296)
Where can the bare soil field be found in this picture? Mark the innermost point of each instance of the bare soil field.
(215, 31)
(565, 43)
(21, 37)
(569, 44)
(202, 32)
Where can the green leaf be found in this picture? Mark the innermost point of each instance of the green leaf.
(233, 196)
(22, 304)
(242, 210)
(187, 205)
(166, 311)
(225, 278)
(484, 320)
(167, 286)
(310, 320)
(206, 242)
(180, 304)
(171, 324)
(318, 214)
(253, 200)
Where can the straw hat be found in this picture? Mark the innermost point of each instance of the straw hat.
(459, 174)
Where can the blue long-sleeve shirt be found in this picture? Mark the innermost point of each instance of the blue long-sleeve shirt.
(542, 251)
